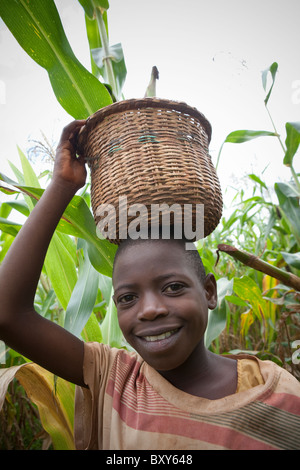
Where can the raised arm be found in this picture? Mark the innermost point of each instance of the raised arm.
(21, 327)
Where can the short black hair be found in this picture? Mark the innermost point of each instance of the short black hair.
(192, 256)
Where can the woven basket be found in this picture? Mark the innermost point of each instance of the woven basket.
(152, 151)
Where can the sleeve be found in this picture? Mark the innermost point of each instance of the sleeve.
(98, 360)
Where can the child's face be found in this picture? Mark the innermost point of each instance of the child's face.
(162, 305)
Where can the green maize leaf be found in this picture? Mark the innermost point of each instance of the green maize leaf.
(115, 54)
(83, 298)
(241, 136)
(78, 221)
(105, 286)
(98, 68)
(94, 40)
(104, 4)
(61, 268)
(30, 177)
(5, 210)
(5, 243)
(111, 331)
(90, 6)
(7, 226)
(257, 180)
(19, 206)
(8, 191)
(292, 141)
(273, 71)
(288, 198)
(118, 64)
(236, 301)
(60, 261)
(92, 330)
(293, 259)
(37, 27)
(217, 317)
(44, 308)
(18, 174)
(287, 191)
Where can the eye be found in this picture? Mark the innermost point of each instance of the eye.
(126, 299)
(174, 287)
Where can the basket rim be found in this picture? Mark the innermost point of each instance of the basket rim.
(140, 103)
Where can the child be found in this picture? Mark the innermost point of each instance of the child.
(172, 393)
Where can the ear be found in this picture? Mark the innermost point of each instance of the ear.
(211, 293)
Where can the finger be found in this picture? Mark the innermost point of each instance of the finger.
(71, 129)
(68, 139)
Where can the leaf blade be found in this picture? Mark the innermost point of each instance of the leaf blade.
(273, 70)
(292, 141)
(78, 221)
(41, 35)
(83, 299)
(60, 268)
(217, 317)
(56, 407)
(241, 136)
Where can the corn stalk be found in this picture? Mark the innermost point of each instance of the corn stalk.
(288, 279)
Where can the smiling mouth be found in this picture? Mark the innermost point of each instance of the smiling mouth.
(165, 335)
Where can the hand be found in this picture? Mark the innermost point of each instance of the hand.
(69, 169)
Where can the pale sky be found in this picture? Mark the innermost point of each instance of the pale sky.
(209, 54)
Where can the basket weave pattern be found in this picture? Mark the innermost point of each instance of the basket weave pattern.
(153, 152)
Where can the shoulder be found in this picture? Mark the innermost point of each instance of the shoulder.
(270, 377)
(280, 390)
(282, 380)
(94, 351)
(100, 360)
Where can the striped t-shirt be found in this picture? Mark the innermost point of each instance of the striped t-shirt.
(128, 405)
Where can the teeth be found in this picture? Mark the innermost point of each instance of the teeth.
(159, 337)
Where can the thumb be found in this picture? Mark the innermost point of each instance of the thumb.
(71, 130)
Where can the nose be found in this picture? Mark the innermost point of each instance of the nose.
(151, 307)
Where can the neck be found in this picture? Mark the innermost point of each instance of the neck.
(204, 374)
(193, 371)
